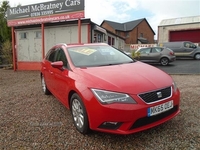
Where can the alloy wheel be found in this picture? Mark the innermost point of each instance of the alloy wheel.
(197, 56)
(77, 112)
(164, 61)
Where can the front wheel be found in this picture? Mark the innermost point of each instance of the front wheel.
(164, 61)
(79, 114)
(197, 56)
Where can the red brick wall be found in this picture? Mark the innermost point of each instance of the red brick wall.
(143, 27)
(132, 38)
(108, 27)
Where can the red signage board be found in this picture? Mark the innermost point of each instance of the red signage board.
(45, 12)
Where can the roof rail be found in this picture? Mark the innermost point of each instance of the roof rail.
(62, 44)
(95, 43)
(79, 44)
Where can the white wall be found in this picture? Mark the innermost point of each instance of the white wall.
(30, 48)
(119, 43)
(64, 34)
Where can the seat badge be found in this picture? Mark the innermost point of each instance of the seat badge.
(159, 94)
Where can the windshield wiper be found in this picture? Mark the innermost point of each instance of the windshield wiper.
(111, 64)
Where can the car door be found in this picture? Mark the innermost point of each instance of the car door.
(48, 74)
(155, 54)
(188, 48)
(61, 77)
(145, 54)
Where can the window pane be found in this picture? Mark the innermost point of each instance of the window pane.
(23, 35)
(52, 56)
(113, 41)
(61, 57)
(109, 40)
(38, 34)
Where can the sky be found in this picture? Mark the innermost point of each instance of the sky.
(128, 10)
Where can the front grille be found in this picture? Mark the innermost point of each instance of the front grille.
(148, 120)
(156, 95)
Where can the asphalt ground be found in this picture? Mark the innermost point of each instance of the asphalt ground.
(181, 66)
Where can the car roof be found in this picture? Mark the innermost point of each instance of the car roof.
(148, 47)
(151, 47)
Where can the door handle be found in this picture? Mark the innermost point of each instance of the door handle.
(50, 72)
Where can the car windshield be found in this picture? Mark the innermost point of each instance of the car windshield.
(103, 55)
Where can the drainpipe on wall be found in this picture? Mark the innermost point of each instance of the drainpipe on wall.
(79, 31)
(13, 49)
(43, 49)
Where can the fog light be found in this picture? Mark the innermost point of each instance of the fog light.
(110, 125)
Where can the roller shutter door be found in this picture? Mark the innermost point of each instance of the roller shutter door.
(185, 35)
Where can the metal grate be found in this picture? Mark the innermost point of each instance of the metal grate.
(156, 95)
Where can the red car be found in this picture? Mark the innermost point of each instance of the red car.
(108, 91)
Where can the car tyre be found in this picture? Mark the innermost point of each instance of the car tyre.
(44, 86)
(197, 56)
(164, 61)
(79, 114)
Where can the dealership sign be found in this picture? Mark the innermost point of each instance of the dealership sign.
(45, 12)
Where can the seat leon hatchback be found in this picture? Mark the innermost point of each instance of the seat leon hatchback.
(108, 91)
(161, 55)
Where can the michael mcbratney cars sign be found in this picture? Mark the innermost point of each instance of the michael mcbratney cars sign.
(45, 12)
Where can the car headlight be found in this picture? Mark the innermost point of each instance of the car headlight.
(174, 86)
(108, 97)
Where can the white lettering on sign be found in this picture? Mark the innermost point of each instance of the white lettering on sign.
(72, 2)
(35, 8)
(15, 11)
(35, 14)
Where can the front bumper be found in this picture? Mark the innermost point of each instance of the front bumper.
(129, 118)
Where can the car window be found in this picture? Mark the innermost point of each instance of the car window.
(100, 55)
(145, 51)
(60, 56)
(189, 45)
(51, 56)
(156, 50)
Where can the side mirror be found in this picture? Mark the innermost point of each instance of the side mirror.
(57, 64)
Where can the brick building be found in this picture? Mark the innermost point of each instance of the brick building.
(134, 32)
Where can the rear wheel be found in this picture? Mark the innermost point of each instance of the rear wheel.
(79, 114)
(197, 56)
(164, 61)
(44, 87)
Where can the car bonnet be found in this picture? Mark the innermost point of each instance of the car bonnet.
(132, 78)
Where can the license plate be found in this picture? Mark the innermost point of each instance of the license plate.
(160, 108)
